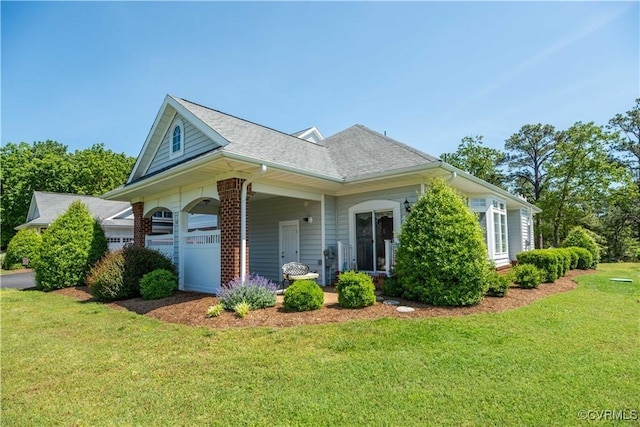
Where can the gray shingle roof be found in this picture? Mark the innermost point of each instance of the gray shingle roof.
(49, 206)
(265, 144)
(359, 150)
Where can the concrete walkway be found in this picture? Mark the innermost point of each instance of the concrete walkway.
(18, 280)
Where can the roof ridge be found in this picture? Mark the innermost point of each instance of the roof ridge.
(68, 194)
(245, 120)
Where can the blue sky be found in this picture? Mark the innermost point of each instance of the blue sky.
(427, 73)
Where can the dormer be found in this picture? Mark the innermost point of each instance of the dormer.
(311, 134)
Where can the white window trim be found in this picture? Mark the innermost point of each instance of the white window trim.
(180, 152)
(491, 231)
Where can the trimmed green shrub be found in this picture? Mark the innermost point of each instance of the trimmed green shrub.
(71, 245)
(24, 245)
(117, 276)
(257, 291)
(215, 310)
(442, 255)
(564, 260)
(585, 259)
(582, 238)
(355, 290)
(391, 287)
(574, 258)
(303, 295)
(545, 259)
(158, 284)
(565, 255)
(527, 276)
(498, 284)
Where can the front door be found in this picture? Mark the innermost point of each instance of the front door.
(289, 242)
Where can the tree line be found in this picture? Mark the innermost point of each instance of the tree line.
(587, 175)
(48, 166)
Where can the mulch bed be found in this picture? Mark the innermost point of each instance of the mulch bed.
(189, 308)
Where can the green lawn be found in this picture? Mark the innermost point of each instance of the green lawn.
(71, 363)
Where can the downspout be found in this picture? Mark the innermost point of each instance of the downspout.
(453, 176)
(243, 221)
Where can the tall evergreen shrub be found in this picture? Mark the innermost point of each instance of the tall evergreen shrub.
(582, 238)
(442, 258)
(71, 245)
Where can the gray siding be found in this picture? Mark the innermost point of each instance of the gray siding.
(264, 239)
(345, 202)
(331, 236)
(195, 142)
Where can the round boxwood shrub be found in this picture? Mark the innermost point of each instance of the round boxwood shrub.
(442, 257)
(71, 245)
(158, 284)
(303, 295)
(545, 259)
(117, 276)
(582, 238)
(24, 245)
(498, 284)
(355, 290)
(526, 276)
(585, 259)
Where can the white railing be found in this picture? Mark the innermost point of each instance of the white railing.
(345, 256)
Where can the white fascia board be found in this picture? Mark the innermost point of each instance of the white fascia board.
(149, 137)
(312, 130)
(118, 214)
(197, 122)
(190, 165)
(491, 187)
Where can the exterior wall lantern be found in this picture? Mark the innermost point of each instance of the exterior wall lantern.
(407, 205)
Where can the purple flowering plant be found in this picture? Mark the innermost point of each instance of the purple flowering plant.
(257, 291)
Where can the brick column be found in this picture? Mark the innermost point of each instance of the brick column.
(229, 192)
(141, 225)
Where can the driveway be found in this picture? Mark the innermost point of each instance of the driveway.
(18, 280)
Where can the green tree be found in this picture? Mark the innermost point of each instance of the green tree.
(627, 128)
(617, 222)
(483, 162)
(581, 175)
(25, 168)
(47, 166)
(442, 257)
(97, 170)
(530, 150)
(71, 245)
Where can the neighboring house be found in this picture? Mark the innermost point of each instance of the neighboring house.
(333, 203)
(115, 217)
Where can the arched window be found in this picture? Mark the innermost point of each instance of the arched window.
(176, 139)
